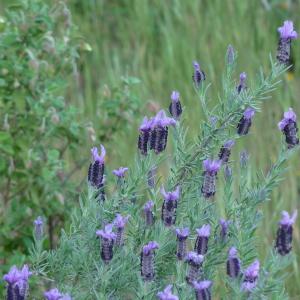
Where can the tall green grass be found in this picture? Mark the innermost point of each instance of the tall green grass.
(157, 42)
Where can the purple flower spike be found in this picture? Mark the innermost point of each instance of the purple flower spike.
(202, 289)
(107, 233)
(212, 166)
(38, 228)
(166, 294)
(144, 136)
(246, 121)
(195, 261)
(242, 83)
(120, 223)
(250, 276)
(147, 261)
(284, 236)
(13, 276)
(150, 247)
(53, 294)
(120, 172)
(233, 265)
(201, 244)
(224, 229)
(199, 75)
(175, 108)
(168, 213)
(182, 235)
(289, 128)
(108, 238)
(96, 156)
(287, 30)
(287, 34)
(149, 216)
(225, 151)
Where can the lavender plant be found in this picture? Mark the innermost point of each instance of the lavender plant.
(225, 263)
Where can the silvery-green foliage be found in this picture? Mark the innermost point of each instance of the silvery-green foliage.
(76, 266)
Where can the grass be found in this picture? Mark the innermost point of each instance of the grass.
(157, 41)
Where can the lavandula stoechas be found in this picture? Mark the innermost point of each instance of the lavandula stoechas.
(55, 294)
(108, 238)
(242, 84)
(166, 294)
(224, 224)
(287, 34)
(159, 131)
(211, 168)
(144, 135)
(120, 223)
(17, 287)
(195, 262)
(201, 244)
(289, 128)
(233, 264)
(250, 276)
(182, 235)
(38, 228)
(168, 212)
(120, 174)
(284, 236)
(246, 121)
(147, 261)
(202, 289)
(149, 216)
(199, 75)
(225, 151)
(175, 108)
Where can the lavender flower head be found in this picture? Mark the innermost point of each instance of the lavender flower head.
(287, 30)
(175, 108)
(286, 219)
(202, 285)
(225, 151)
(246, 121)
(203, 231)
(249, 113)
(148, 248)
(289, 128)
(202, 289)
(224, 224)
(287, 34)
(284, 236)
(198, 75)
(120, 221)
(38, 228)
(144, 136)
(251, 276)
(148, 206)
(211, 166)
(146, 124)
(53, 294)
(13, 276)
(194, 258)
(107, 232)
(242, 84)
(166, 294)
(233, 265)
(149, 216)
(182, 232)
(232, 253)
(170, 196)
(162, 120)
(120, 173)
(195, 261)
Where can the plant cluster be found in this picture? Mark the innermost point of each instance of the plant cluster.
(196, 237)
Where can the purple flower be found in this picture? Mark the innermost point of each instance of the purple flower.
(224, 228)
(284, 237)
(233, 265)
(195, 258)
(53, 294)
(198, 75)
(230, 55)
(287, 30)
(96, 156)
(144, 135)
(170, 196)
(167, 294)
(211, 166)
(242, 83)
(175, 108)
(146, 124)
(201, 244)
(120, 172)
(202, 289)
(38, 228)
(249, 113)
(148, 206)
(13, 276)
(162, 120)
(246, 121)
(149, 216)
(150, 247)
(250, 276)
(182, 232)
(289, 128)
(195, 263)
(120, 221)
(107, 232)
(225, 151)
(182, 235)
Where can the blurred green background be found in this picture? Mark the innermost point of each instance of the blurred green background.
(156, 41)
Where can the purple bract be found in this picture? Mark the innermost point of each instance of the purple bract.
(287, 30)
